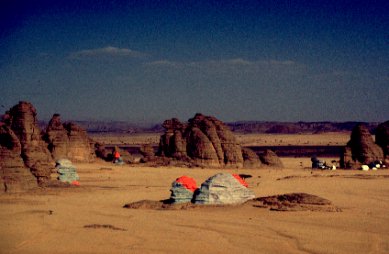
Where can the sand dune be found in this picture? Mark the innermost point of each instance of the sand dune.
(91, 218)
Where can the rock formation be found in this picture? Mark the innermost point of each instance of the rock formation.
(68, 141)
(250, 158)
(204, 140)
(223, 188)
(362, 147)
(182, 190)
(15, 176)
(382, 139)
(22, 120)
(147, 151)
(271, 159)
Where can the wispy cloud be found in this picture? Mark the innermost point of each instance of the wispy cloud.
(106, 51)
(234, 62)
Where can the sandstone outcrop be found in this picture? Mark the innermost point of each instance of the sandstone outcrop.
(382, 139)
(362, 147)
(15, 176)
(205, 141)
(22, 120)
(250, 158)
(68, 141)
(271, 159)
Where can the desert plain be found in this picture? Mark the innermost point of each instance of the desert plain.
(90, 218)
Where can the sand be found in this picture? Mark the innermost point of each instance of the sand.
(255, 139)
(91, 218)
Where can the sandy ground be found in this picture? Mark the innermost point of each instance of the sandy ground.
(91, 218)
(322, 139)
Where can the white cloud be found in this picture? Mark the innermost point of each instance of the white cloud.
(107, 51)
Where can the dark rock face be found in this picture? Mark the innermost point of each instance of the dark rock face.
(22, 136)
(68, 141)
(271, 159)
(362, 147)
(382, 139)
(204, 140)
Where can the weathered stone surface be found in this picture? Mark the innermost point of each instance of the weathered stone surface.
(102, 152)
(382, 139)
(271, 159)
(250, 158)
(68, 141)
(57, 138)
(14, 175)
(295, 202)
(147, 151)
(182, 190)
(223, 188)
(205, 141)
(346, 159)
(67, 171)
(363, 149)
(23, 122)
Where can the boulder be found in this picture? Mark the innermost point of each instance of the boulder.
(182, 190)
(271, 159)
(250, 158)
(223, 188)
(362, 147)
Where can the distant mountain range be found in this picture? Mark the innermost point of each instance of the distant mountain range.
(240, 127)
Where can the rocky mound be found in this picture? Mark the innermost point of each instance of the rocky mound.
(182, 190)
(204, 141)
(295, 202)
(362, 149)
(271, 159)
(382, 139)
(68, 141)
(223, 188)
(250, 158)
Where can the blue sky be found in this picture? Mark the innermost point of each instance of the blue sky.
(146, 61)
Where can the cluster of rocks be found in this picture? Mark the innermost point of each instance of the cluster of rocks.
(222, 188)
(363, 150)
(68, 140)
(206, 141)
(27, 154)
(229, 189)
